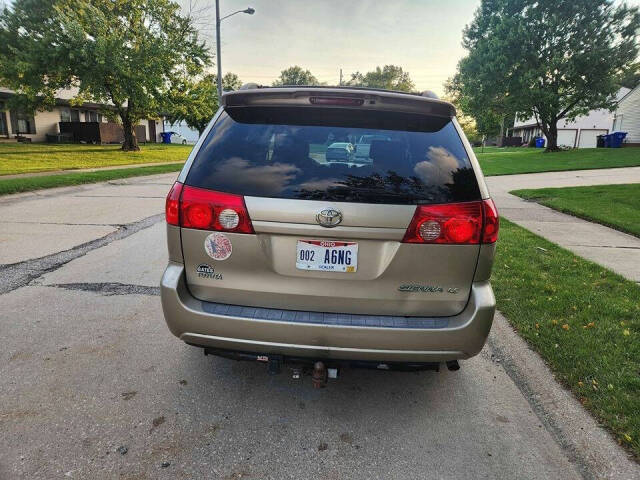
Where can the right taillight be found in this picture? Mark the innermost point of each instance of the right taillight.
(203, 209)
(454, 223)
(491, 222)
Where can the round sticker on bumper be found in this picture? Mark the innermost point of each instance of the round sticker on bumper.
(218, 246)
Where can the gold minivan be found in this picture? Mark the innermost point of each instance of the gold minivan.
(276, 254)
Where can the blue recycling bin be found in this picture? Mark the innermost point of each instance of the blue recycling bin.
(166, 137)
(539, 142)
(617, 138)
(607, 140)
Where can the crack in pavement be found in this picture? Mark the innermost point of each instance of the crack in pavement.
(109, 288)
(16, 275)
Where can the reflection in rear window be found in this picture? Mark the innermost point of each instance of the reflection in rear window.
(335, 155)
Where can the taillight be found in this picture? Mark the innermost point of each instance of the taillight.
(342, 101)
(454, 223)
(491, 222)
(192, 207)
(209, 210)
(172, 205)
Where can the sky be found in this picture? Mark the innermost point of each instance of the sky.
(422, 36)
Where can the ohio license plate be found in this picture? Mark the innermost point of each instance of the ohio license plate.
(327, 256)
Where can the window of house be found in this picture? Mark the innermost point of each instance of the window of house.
(75, 115)
(22, 122)
(65, 115)
(90, 116)
(617, 123)
(3, 121)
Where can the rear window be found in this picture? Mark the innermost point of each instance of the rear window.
(335, 154)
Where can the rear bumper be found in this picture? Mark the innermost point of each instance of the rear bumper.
(348, 338)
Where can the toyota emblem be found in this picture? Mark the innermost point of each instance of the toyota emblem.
(329, 217)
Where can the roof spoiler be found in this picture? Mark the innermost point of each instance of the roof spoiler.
(339, 97)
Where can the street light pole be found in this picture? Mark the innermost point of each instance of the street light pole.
(248, 11)
(218, 60)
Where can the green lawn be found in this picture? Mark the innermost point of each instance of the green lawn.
(41, 157)
(512, 160)
(582, 318)
(616, 206)
(26, 184)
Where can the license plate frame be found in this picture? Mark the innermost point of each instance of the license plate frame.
(312, 255)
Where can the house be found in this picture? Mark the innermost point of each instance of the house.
(579, 133)
(37, 126)
(627, 117)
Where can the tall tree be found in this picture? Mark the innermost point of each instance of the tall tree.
(196, 102)
(550, 59)
(130, 54)
(296, 75)
(389, 77)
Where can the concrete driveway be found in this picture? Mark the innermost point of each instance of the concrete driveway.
(93, 385)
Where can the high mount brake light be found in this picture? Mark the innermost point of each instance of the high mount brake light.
(202, 209)
(344, 101)
(454, 223)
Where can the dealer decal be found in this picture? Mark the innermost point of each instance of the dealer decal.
(207, 271)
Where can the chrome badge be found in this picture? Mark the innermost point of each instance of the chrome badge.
(329, 217)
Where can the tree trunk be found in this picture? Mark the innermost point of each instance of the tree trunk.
(552, 137)
(130, 141)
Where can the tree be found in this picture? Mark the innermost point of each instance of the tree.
(296, 76)
(196, 102)
(389, 77)
(630, 78)
(129, 54)
(550, 59)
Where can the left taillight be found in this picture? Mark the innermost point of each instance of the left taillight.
(172, 205)
(202, 209)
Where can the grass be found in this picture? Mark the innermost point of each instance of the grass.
(41, 157)
(26, 184)
(582, 318)
(512, 160)
(616, 206)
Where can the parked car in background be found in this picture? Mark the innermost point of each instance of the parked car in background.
(339, 152)
(277, 256)
(364, 145)
(178, 138)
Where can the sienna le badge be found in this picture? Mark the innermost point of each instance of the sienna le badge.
(218, 246)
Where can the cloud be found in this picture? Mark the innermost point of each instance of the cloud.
(438, 168)
(238, 176)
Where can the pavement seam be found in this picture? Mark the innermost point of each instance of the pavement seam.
(16, 275)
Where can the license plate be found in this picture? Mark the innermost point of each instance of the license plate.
(327, 256)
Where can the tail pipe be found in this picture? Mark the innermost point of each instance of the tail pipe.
(453, 365)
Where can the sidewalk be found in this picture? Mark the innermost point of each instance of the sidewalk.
(610, 248)
(82, 170)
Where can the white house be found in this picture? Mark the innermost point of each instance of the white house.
(580, 133)
(627, 117)
(37, 126)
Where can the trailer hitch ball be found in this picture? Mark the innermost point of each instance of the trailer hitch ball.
(319, 375)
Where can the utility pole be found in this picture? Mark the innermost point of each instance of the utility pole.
(218, 60)
(340, 78)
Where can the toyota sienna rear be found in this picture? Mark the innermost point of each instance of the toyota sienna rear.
(275, 253)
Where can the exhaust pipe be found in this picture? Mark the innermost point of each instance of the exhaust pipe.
(453, 365)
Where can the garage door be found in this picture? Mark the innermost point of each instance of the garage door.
(588, 138)
(567, 138)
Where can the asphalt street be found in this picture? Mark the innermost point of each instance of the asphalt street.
(93, 385)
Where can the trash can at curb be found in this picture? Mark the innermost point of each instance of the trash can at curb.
(617, 138)
(166, 137)
(600, 141)
(539, 142)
